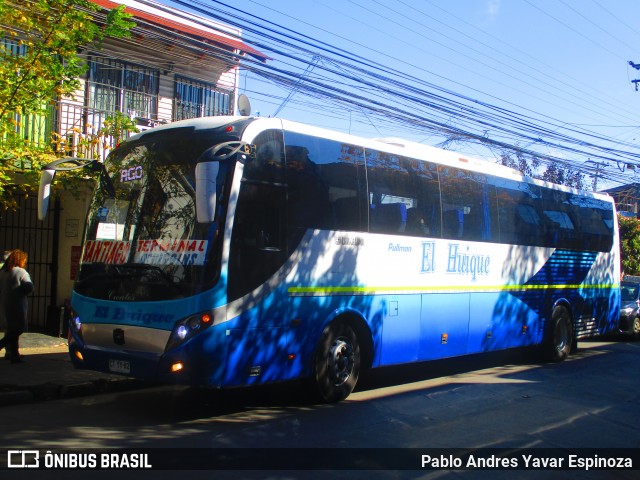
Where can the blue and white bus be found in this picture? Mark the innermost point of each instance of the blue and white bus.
(234, 251)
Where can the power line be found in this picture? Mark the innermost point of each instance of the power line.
(401, 99)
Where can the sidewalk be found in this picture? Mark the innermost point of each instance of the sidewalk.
(48, 374)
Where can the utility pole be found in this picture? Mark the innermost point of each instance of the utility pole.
(597, 172)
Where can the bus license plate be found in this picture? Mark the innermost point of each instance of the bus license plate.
(119, 366)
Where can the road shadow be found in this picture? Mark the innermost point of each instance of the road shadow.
(189, 403)
(301, 393)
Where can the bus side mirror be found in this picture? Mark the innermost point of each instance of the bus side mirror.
(44, 192)
(206, 174)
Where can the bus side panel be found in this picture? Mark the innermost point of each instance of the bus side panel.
(256, 341)
(606, 298)
(499, 321)
(255, 355)
(309, 315)
(306, 315)
(203, 356)
(608, 309)
(488, 324)
(526, 326)
(444, 321)
(401, 331)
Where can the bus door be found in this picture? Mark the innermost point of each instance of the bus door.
(256, 336)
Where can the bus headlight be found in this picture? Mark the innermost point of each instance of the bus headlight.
(187, 328)
(182, 332)
(75, 324)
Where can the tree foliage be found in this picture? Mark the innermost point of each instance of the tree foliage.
(519, 162)
(39, 64)
(630, 244)
(554, 173)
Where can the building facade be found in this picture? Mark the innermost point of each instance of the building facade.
(174, 66)
(627, 198)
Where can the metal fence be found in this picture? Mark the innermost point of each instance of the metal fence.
(22, 229)
(193, 99)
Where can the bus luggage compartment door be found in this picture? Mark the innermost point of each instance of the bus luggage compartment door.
(444, 323)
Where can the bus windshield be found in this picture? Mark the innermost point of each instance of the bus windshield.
(145, 243)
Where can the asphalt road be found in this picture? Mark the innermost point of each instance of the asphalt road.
(503, 400)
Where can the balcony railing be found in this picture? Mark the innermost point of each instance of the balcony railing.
(78, 131)
(68, 128)
(75, 130)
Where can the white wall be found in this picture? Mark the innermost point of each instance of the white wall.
(72, 222)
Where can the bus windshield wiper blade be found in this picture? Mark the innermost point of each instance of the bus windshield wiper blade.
(132, 270)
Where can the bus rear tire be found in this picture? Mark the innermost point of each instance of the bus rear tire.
(337, 362)
(559, 342)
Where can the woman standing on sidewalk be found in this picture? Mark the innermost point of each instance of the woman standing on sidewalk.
(15, 285)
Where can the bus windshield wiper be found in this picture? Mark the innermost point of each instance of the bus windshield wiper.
(149, 272)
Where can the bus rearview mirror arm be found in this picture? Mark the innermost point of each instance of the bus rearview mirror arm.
(64, 165)
(44, 192)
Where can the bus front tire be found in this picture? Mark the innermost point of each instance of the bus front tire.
(560, 339)
(337, 362)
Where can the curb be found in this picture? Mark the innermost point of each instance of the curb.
(52, 391)
(13, 397)
(53, 384)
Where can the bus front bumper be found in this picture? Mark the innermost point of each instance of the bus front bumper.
(156, 368)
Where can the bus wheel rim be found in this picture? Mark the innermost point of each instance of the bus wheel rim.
(340, 361)
(561, 335)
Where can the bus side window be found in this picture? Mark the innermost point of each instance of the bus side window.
(594, 226)
(389, 217)
(469, 205)
(326, 184)
(308, 195)
(404, 195)
(416, 223)
(519, 220)
(346, 213)
(453, 223)
(393, 190)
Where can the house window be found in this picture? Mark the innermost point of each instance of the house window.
(194, 99)
(12, 48)
(119, 86)
(34, 127)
